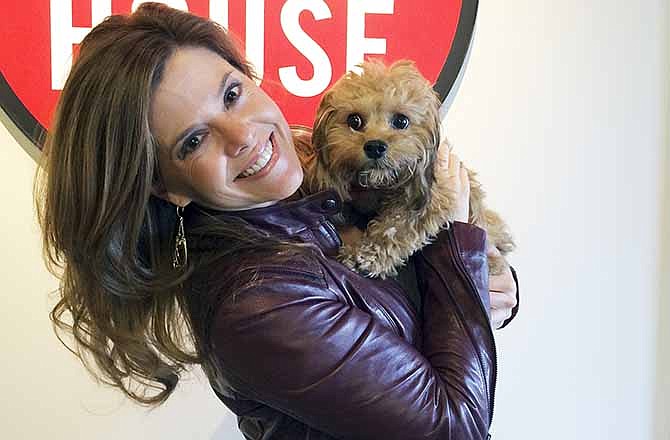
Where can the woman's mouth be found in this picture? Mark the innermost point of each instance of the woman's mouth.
(266, 158)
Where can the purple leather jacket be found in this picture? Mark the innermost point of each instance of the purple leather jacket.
(311, 350)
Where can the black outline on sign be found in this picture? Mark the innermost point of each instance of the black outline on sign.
(19, 114)
(459, 48)
(34, 131)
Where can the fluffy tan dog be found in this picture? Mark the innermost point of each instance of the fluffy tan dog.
(375, 142)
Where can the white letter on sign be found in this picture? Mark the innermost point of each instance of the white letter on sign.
(323, 70)
(357, 44)
(218, 12)
(256, 36)
(64, 35)
(255, 49)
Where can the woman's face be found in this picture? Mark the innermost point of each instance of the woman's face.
(223, 142)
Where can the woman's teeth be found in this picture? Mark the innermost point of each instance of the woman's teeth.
(263, 160)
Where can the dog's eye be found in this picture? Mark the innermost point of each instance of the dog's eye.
(400, 121)
(355, 121)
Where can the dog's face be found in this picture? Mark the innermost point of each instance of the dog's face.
(378, 130)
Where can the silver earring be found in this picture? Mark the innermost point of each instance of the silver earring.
(180, 251)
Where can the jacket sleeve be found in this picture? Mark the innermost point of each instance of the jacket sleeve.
(291, 343)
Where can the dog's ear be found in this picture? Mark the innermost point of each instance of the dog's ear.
(404, 65)
(373, 67)
(318, 177)
(419, 189)
(324, 116)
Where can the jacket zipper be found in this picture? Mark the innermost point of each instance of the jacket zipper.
(461, 266)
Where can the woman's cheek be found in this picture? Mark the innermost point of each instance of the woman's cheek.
(207, 173)
(292, 176)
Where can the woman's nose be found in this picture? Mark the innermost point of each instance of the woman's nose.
(236, 135)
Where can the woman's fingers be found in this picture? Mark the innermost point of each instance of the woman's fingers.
(454, 164)
(502, 304)
(450, 170)
(502, 296)
(499, 316)
(443, 156)
(465, 179)
(503, 283)
(459, 182)
(502, 299)
(502, 291)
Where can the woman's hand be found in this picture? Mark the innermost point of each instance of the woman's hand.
(456, 178)
(502, 292)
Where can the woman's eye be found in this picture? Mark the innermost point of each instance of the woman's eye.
(355, 121)
(400, 121)
(233, 94)
(190, 144)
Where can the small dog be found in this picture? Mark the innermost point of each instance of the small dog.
(375, 142)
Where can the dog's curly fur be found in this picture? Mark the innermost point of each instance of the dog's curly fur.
(405, 201)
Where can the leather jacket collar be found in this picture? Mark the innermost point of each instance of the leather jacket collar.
(306, 217)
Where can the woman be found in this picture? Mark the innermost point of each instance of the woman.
(165, 209)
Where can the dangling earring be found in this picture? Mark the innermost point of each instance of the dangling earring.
(180, 251)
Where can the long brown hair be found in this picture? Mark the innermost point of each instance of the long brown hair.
(105, 235)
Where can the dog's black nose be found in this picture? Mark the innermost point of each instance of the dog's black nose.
(375, 149)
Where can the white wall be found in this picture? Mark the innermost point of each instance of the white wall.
(662, 394)
(564, 112)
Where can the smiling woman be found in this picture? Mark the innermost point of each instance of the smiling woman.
(113, 180)
(169, 210)
(234, 148)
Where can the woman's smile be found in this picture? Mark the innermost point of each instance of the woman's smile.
(262, 162)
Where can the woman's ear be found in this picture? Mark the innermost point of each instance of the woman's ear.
(176, 199)
(158, 189)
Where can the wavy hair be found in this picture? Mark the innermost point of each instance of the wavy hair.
(107, 238)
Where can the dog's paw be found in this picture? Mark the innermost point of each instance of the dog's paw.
(367, 260)
(347, 256)
(376, 270)
(375, 261)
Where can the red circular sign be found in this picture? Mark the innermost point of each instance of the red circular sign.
(299, 47)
